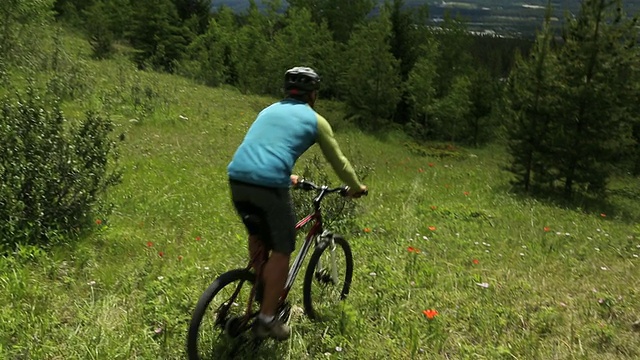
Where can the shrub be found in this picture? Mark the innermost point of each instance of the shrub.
(52, 172)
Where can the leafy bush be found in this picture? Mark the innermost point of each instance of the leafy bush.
(52, 173)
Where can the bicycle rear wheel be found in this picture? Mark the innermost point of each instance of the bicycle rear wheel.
(328, 277)
(221, 309)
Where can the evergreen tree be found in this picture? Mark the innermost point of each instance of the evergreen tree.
(98, 28)
(454, 59)
(451, 112)
(300, 42)
(342, 16)
(594, 123)
(484, 94)
(71, 11)
(407, 36)
(158, 34)
(371, 81)
(530, 99)
(251, 45)
(195, 13)
(421, 87)
(210, 57)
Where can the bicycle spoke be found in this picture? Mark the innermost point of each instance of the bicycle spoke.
(223, 322)
(330, 281)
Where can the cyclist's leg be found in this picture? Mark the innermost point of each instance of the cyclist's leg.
(281, 224)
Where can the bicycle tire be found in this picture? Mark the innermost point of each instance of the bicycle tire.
(205, 300)
(312, 276)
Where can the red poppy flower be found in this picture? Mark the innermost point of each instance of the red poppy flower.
(430, 314)
(476, 261)
(149, 244)
(367, 230)
(410, 249)
(466, 193)
(160, 253)
(432, 228)
(603, 215)
(98, 221)
(430, 164)
(433, 207)
(546, 229)
(197, 238)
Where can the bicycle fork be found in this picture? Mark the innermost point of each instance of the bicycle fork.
(321, 272)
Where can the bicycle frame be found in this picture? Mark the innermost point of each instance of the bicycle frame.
(316, 230)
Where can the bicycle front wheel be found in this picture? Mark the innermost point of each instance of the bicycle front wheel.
(221, 309)
(328, 277)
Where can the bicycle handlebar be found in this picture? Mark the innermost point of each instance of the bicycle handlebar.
(308, 186)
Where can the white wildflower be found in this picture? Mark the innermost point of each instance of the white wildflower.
(91, 283)
(372, 273)
(483, 285)
(338, 349)
(160, 278)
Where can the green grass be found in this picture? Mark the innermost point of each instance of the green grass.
(562, 279)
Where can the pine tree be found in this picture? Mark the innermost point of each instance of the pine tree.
(196, 13)
(530, 99)
(210, 57)
(158, 34)
(455, 58)
(251, 44)
(595, 119)
(98, 28)
(421, 87)
(299, 42)
(371, 81)
(407, 35)
(342, 16)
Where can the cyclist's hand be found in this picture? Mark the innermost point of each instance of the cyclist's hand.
(294, 180)
(356, 193)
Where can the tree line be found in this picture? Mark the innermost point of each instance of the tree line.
(567, 104)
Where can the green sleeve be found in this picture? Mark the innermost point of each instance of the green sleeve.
(332, 153)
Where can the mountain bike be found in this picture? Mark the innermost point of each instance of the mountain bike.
(230, 305)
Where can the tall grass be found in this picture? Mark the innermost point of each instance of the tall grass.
(503, 276)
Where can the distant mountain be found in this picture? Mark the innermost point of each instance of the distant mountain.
(499, 16)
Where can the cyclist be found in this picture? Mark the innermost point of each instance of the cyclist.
(260, 178)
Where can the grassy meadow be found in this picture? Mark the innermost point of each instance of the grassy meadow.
(500, 276)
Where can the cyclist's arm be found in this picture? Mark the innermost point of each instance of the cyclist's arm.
(334, 155)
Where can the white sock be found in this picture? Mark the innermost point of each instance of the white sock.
(265, 318)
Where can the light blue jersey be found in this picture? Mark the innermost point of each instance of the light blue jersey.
(279, 136)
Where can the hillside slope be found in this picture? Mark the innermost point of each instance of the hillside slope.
(449, 262)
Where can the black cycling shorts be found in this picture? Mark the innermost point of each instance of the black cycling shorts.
(266, 212)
